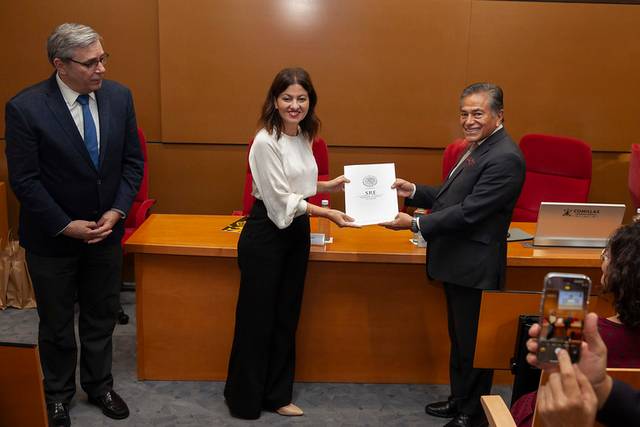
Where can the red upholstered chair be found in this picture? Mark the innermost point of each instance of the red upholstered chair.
(320, 153)
(451, 155)
(142, 203)
(558, 169)
(634, 175)
(138, 212)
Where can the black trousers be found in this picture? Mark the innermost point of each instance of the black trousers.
(94, 277)
(467, 383)
(273, 265)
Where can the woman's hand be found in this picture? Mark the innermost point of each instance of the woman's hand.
(593, 356)
(341, 219)
(567, 400)
(332, 186)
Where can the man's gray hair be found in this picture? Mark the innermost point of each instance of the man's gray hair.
(68, 37)
(494, 91)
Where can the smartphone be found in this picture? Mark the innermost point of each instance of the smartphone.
(562, 311)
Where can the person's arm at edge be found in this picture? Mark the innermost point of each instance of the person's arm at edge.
(618, 403)
(24, 172)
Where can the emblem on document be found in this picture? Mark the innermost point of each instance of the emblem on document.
(369, 181)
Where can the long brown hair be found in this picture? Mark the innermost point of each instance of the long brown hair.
(270, 118)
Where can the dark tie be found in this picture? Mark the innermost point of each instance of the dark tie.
(90, 135)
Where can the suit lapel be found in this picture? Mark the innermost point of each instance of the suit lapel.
(474, 157)
(104, 112)
(58, 106)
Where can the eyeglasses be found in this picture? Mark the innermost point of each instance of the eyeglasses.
(604, 255)
(92, 63)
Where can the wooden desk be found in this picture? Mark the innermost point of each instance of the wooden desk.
(21, 389)
(369, 313)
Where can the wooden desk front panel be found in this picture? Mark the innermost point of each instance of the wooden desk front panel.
(367, 322)
(369, 313)
(185, 313)
(21, 389)
(360, 322)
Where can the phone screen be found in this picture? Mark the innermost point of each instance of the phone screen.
(564, 306)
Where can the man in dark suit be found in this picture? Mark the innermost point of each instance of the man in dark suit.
(466, 233)
(75, 166)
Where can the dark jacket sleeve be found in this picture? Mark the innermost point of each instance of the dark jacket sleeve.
(132, 162)
(622, 408)
(24, 172)
(424, 197)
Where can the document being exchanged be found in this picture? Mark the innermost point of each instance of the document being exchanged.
(368, 198)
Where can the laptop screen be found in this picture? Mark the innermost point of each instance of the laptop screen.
(577, 224)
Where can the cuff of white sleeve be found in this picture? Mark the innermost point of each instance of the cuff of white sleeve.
(122, 214)
(413, 193)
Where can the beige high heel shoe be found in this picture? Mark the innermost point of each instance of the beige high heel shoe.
(290, 410)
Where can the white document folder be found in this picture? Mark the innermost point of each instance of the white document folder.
(369, 198)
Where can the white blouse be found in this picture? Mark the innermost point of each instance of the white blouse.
(284, 174)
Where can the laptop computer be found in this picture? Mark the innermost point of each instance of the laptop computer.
(586, 225)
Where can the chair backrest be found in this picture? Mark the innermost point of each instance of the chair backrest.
(451, 155)
(558, 169)
(320, 153)
(634, 175)
(21, 390)
(143, 192)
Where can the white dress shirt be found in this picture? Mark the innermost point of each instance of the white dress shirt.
(284, 174)
(71, 99)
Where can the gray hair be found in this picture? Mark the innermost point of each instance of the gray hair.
(68, 37)
(494, 91)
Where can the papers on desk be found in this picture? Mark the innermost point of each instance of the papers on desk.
(517, 235)
(236, 226)
(368, 198)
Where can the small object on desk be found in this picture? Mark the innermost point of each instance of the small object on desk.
(324, 224)
(419, 242)
(319, 239)
(236, 226)
(517, 235)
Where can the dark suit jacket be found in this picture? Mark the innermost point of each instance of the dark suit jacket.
(50, 170)
(470, 214)
(622, 407)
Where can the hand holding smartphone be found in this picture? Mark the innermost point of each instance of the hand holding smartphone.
(562, 311)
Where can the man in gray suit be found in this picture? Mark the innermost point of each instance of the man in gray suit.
(466, 233)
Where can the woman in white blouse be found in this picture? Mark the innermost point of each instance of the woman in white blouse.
(273, 249)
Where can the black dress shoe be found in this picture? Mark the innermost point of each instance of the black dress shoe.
(461, 420)
(111, 404)
(446, 409)
(58, 414)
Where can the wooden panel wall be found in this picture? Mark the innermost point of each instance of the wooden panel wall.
(385, 72)
(388, 76)
(130, 34)
(566, 69)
